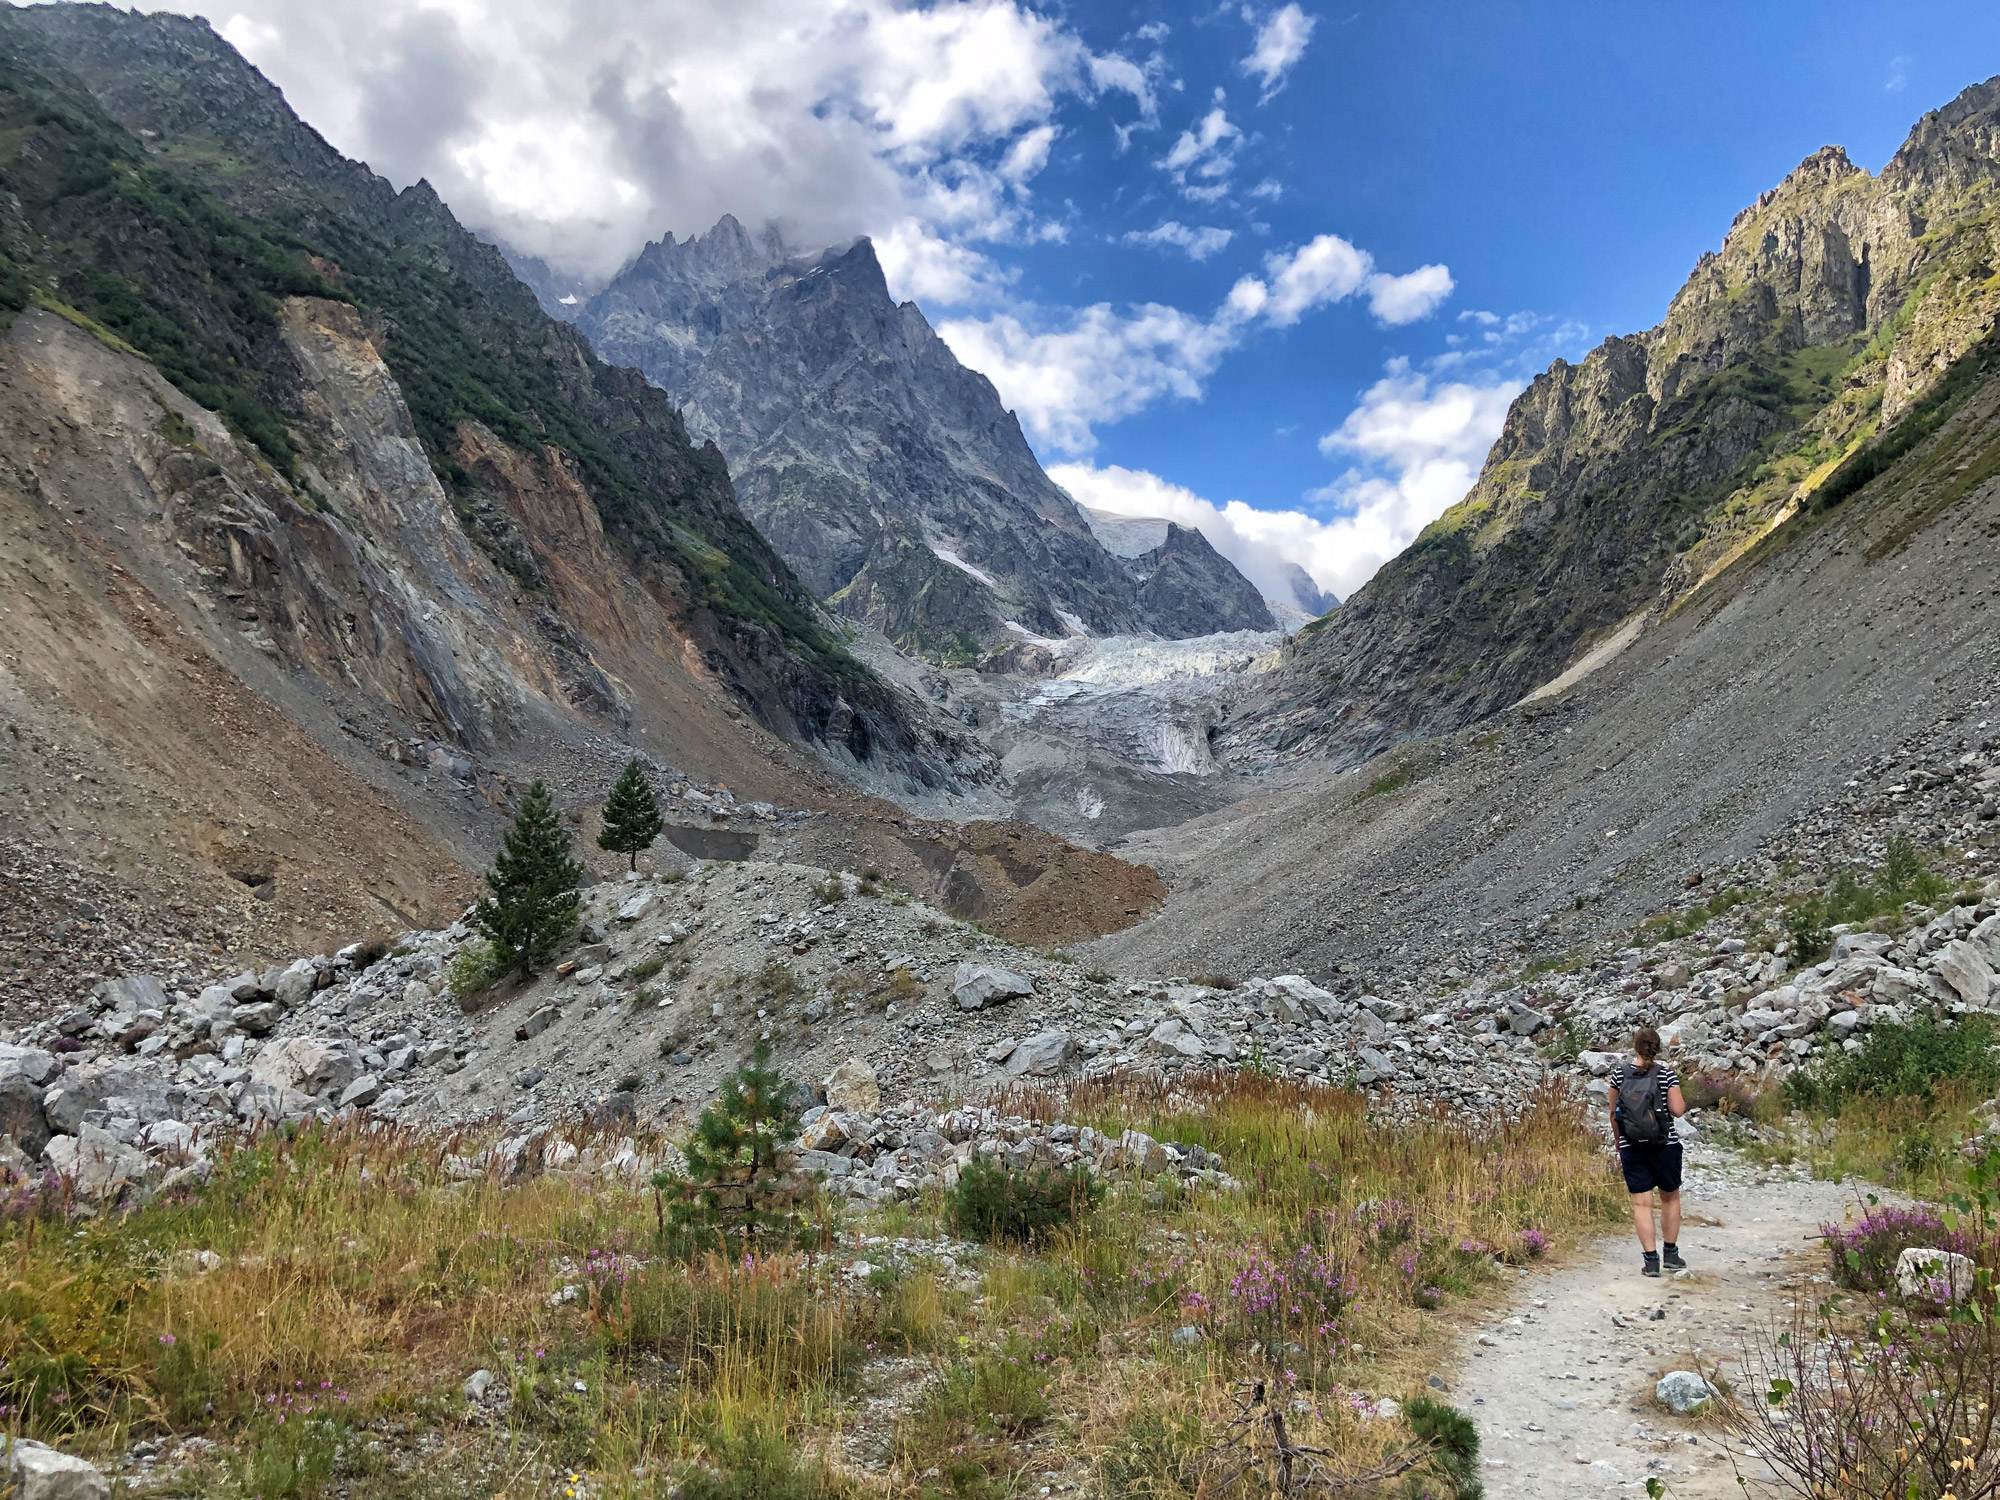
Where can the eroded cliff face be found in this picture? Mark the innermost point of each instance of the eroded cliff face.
(886, 473)
(1622, 482)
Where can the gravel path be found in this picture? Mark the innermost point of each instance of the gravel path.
(1563, 1394)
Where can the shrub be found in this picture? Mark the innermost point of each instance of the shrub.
(829, 890)
(477, 968)
(646, 968)
(1725, 1093)
(1864, 1253)
(1902, 1062)
(992, 1203)
(534, 884)
(1455, 1444)
(759, 1464)
(1005, 1391)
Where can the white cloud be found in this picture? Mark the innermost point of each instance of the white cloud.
(1281, 42)
(1204, 155)
(1199, 243)
(1421, 445)
(1404, 299)
(920, 264)
(1064, 372)
(1262, 543)
(1326, 269)
(579, 131)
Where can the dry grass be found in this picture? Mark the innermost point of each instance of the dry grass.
(369, 1272)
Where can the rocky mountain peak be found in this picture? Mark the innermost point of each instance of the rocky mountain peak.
(891, 477)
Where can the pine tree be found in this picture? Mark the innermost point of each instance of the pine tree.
(535, 886)
(631, 817)
(733, 1184)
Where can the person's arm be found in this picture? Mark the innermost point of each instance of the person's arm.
(1675, 1102)
(1617, 1140)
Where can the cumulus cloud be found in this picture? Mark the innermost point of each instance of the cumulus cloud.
(1264, 544)
(1281, 42)
(1199, 244)
(578, 132)
(1419, 445)
(1405, 299)
(1065, 371)
(1203, 155)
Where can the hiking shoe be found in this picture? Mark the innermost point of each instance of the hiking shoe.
(1652, 1265)
(1672, 1259)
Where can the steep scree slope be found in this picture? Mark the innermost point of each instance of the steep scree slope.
(1620, 483)
(1856, 628)
(886, 473)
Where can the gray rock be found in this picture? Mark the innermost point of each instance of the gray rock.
(22, 1119)
(1375, 1066)
(536, 1024)
(258, 1018)
(978, 986)
(1187, 1336)
(618, 1108)
(36, 1471)
(636, 907)
(309, 1064)
(1683, 1390)
(296, 984)
(476, 1385)
(1964, 967)
(134, 993)
(854, 1087)
(1525, 1020)
(1929, 1273)
(1044, 1053)
(98, 1165)
(363, 1092)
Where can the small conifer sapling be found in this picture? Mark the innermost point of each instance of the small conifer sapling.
(631, 817)
(535, 886)
(733, 1186)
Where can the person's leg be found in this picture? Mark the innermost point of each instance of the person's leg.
(1642, 1219)
(1670, 1216)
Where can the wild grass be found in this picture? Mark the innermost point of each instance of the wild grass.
(367, 1272)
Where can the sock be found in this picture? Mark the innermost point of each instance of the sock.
(1670, 1247)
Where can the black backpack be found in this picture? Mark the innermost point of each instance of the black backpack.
(1642, 1109)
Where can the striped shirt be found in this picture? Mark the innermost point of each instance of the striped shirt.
(1669, 1081)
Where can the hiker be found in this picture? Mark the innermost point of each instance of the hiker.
(1645, 1102)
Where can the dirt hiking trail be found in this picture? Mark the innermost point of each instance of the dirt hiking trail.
(1561, 1385)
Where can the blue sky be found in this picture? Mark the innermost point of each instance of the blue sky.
(1203, 249)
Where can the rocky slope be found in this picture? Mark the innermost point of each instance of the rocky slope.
(1839, 678)
(886, 473)
(320, 539)
(1621, 483)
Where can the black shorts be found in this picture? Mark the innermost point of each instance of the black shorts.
(1649, 1167)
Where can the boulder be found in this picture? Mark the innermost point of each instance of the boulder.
(22, 1120)
(824, 1134)
(1375, 1066)
(854, 1088)
(636, 907)
(977, 986)
(133, 993)
(310, 1064)
(477, 1384)
(1684, 1391)
(295, 985)
(98, 1165)
(620, 1107)
(1939, 1275)
(363, 1092)
(257, 1018)
(1599, 1064)
(1963, 966)
(1172, 1038)
(1525, 1020)
(36, 1471)
(536, 1024)
(1674, 976)
(1140, 1153)
(1046, 1052)
(35, 1064)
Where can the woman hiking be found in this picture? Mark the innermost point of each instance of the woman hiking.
(1645, 1103)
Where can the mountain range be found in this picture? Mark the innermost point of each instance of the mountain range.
(884, 471)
